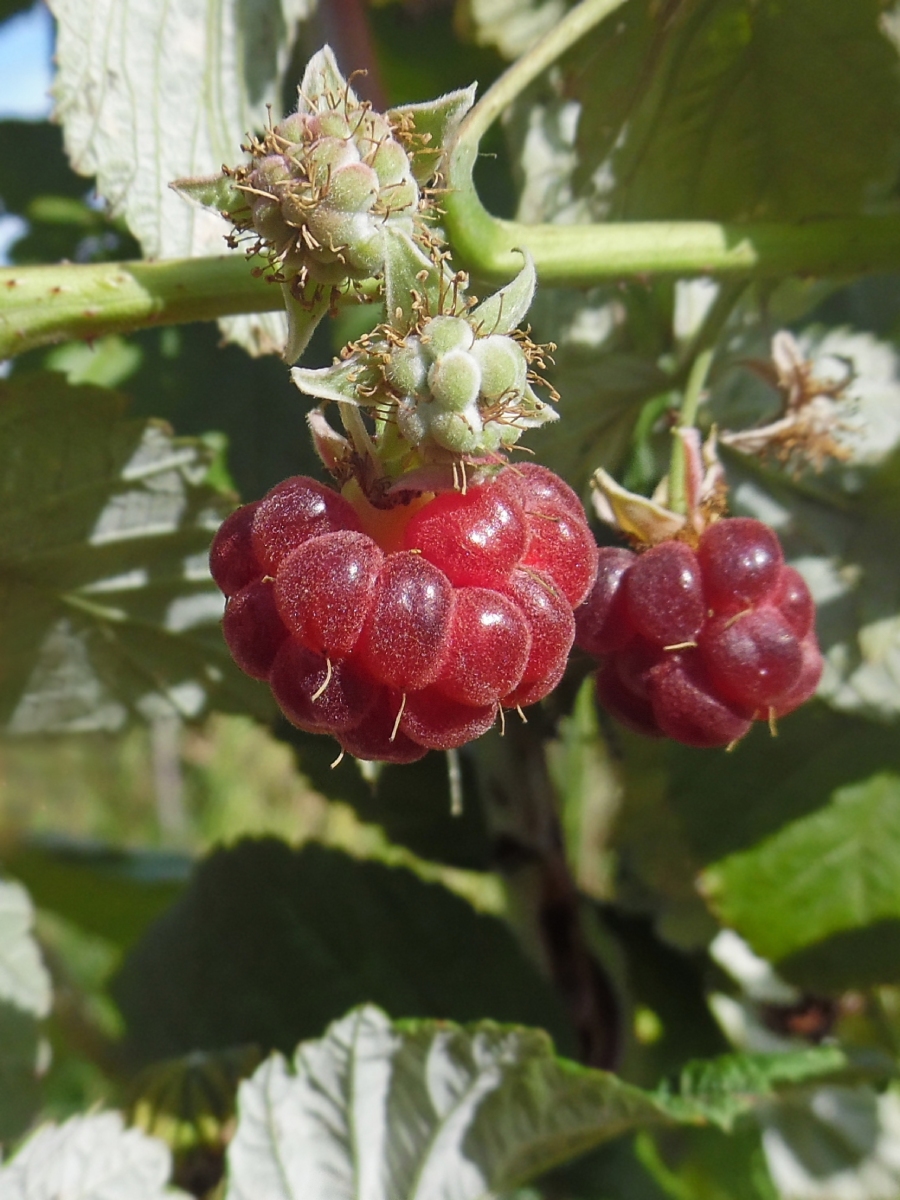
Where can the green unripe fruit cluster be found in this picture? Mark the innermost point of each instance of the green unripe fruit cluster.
(321, 189)
(468, 394)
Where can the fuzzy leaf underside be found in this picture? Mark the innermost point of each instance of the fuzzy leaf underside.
(147, 93)
(428, 1110)
(108, 610)
(89, 1158)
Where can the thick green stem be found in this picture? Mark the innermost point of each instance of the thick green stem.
(40, 305)
(587, 254)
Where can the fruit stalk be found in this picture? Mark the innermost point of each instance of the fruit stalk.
(528, 849)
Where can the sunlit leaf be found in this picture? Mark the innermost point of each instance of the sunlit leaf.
(88, 1158)
(148, 93)
(203, 978)
(429, 1109)
(108, 610)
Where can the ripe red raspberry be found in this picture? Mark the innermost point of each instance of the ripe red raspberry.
(405, 629)
(697, 644)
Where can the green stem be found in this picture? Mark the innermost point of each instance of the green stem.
(587, 254)
(692, 392)
(479, 240)
(40, 305)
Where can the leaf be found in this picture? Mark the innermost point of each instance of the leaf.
(148, 93)
(411, 803)
(835, 870)
(111, 893)
(731, 109)
(722, 1089)
(511, 25)
(24, 981)
(203, 978)
(20, 1093)
(88, 1158)
(24, 996)
(706, 1164)
(839, 1141)
(108, 610)
(339, 382)
(427, 1109)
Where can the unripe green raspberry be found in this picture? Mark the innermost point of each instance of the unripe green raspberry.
(353, 188)
(454, 432)
(322, 189)
(504, 369)
(454, 381)
(445, 333)
(407, 369)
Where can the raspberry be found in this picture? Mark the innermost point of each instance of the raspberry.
(697, 645)
(232, 561)
(601, 622)
(435, 721)
(293, 512)
(752, 657)
(323, 590)
(252, 628)
(407, 635)
(490, 644)
(476, 539)
(375, 737)
(410, 635)
(316, 695)
(634, 712)
(552, 633)
(740, 559)
(664, 594)
(687, 707)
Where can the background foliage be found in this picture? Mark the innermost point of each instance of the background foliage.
(188, 890)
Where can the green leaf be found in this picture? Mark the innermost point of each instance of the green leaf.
(412, 803)
(707, 1164)
(713, 116)
(421, 1109)
(202, 977)
(722, 1089)
(24, 996)
(20, 1092)
(24, 981)
(833, 871)
(168, 94)
(89, 1158)
(839, 1141)
(108, 610)
(111, 893)
(426, 1108)
(339, 382)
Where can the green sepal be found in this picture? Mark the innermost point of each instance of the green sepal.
(408, 269)
(340, 382)
(434, 122)
(302, 320)
(321, 78)
(215, 192)
(503, 311)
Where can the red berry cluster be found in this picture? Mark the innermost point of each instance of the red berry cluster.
(697, 644)
(405, 630)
